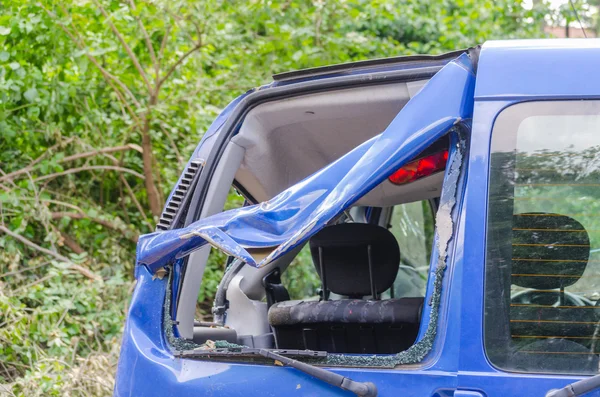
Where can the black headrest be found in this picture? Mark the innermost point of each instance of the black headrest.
(345, 258)
(549, 250)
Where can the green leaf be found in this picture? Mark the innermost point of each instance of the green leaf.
(4, 56)
(31, 94)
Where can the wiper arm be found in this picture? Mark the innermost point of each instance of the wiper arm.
(576, 388)
(362, 389)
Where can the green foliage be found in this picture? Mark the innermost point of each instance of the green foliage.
(300, 278)
(95, 132)
(58, 323)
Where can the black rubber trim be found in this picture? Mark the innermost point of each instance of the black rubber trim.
(359, 65)
(243, 192)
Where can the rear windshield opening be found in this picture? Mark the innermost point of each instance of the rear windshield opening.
(357, 287)
(368, 283)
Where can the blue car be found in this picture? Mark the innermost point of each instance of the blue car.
(447, 206)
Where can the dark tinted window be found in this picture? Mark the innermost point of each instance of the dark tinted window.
(543, 239)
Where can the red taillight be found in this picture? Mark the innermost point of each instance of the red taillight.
(420, 168)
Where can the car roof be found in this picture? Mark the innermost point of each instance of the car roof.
(364, 66)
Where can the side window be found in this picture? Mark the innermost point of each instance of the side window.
(542, 307)
(413, 226)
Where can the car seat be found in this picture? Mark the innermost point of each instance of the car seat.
(356, 261)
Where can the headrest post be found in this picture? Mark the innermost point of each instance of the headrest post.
(562, 296)
(370, 259)
(324, 293)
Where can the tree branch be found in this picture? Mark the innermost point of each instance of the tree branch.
(107, 76)
(132, 56)
(113, 149)
(179, 61)
(163, 43)
(77, 215)
(71, 243)
(148, 42)
(87, 273)
(173, 145)
(89, 168)
(25, 170)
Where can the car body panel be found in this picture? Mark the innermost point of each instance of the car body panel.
(508, 73)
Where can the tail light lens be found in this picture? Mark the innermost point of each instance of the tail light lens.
(420, 168)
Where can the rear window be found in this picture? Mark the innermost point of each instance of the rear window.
(542, 307)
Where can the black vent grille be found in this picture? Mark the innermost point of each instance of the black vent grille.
(169, 214)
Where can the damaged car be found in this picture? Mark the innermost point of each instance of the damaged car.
(446, 204)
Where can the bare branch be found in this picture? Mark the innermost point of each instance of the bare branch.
(173, 145)
(107, 76)
(27, 269)
(71, 243)
(86, 272)
(129, 189)
(103, 222)
(134, 199)
(50, 149)
(132, 56)
(179, 61)
(113, 149)
(89, 168)
(29, 168)
(163, 43)
(148, 41)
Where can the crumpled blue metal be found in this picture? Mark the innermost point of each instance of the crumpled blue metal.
(290, 218)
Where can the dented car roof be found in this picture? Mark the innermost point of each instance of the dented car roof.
(261, 233)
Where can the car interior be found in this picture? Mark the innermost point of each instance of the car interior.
(563, 320)
(372, 280)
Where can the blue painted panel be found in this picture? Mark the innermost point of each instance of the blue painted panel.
(147, 367)
(538, 68)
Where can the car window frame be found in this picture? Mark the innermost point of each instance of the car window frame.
(506, 125)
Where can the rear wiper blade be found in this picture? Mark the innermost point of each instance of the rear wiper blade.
(362, 389)
(578, 388)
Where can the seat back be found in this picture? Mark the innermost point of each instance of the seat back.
(355, 259)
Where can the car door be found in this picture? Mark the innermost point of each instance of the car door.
(529, 266)
(151, 357)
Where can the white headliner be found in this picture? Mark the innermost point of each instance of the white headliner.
(288, 140)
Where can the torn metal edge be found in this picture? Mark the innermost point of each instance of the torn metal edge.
(445, 227)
